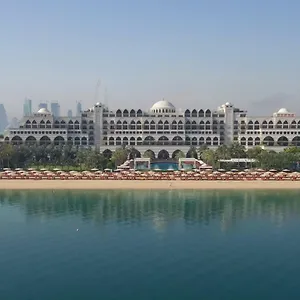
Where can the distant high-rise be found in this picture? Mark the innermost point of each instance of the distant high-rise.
(55, 109)
(70, 113)
(3, 119)
(27, 107)
(43, 105)
(78, 109)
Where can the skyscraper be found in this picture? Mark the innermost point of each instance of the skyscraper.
(70, 113)
(27, 107)
(3, 119)
(78, 109)
(43, 105)
(55, 109)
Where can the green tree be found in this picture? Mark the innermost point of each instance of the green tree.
(255, 152)
(237, 150)
(223, 152)
(149, 154)
(209, 157)
(179, 154)
(192, 153)
(119, 156)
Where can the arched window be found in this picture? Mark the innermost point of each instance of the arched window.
(139, 113)
(283, 141)
(187, 113)
(132, 125)
(138, 125)
(201, 125)
(257, 141)
(208, 113)
(264, 124)
(111, 141)
(268, 141)
(177, 140)
(174, 125)
(118, 113)
(146, 125)
(119, 125)
(27, 124)
(207, 125)
(132, 113)
(139, 141)
(118, 141)
(132, 141)
(166, 125)
(215, 141)
(279, 125)
(271, 125)
(152, 125)
(250, 125)
(187, 125)
(194, 141)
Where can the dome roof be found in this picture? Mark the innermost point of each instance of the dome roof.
(163, 104)
(44, 111)
(283, 111)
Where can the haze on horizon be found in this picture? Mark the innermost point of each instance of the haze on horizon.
(192, 53)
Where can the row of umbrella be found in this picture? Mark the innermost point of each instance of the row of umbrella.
(151, 175)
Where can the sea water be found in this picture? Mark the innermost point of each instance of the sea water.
(149, 245)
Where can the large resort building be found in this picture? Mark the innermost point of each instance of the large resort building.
(163, 129)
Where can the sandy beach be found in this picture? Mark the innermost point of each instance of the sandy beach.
(143, 185)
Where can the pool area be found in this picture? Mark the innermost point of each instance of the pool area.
(164, 166)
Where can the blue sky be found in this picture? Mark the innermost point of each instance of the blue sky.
(192, 53)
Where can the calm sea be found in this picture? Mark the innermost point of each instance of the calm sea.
(149, 245)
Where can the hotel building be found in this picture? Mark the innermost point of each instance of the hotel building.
(163, 129)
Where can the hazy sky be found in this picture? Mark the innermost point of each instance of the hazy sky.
(192, 53)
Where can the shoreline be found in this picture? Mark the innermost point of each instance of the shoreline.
(146, 185)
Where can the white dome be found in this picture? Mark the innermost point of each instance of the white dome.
(44, 111)
(163, 106)
(283, 111)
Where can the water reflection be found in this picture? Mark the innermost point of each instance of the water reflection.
(161, 207)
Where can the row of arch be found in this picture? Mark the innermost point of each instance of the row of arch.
(58, 122)
(270, 141)
(198, 114)
(45, 140)
(188, 113)
(162, 154)
(112, 122)
(163, 140)
(270, 124)
(160, 125)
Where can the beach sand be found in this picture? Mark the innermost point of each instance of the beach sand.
(143, 185)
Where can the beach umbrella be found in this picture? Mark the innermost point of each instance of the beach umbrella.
(273, 170)
(94, 169)
(286, 170)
